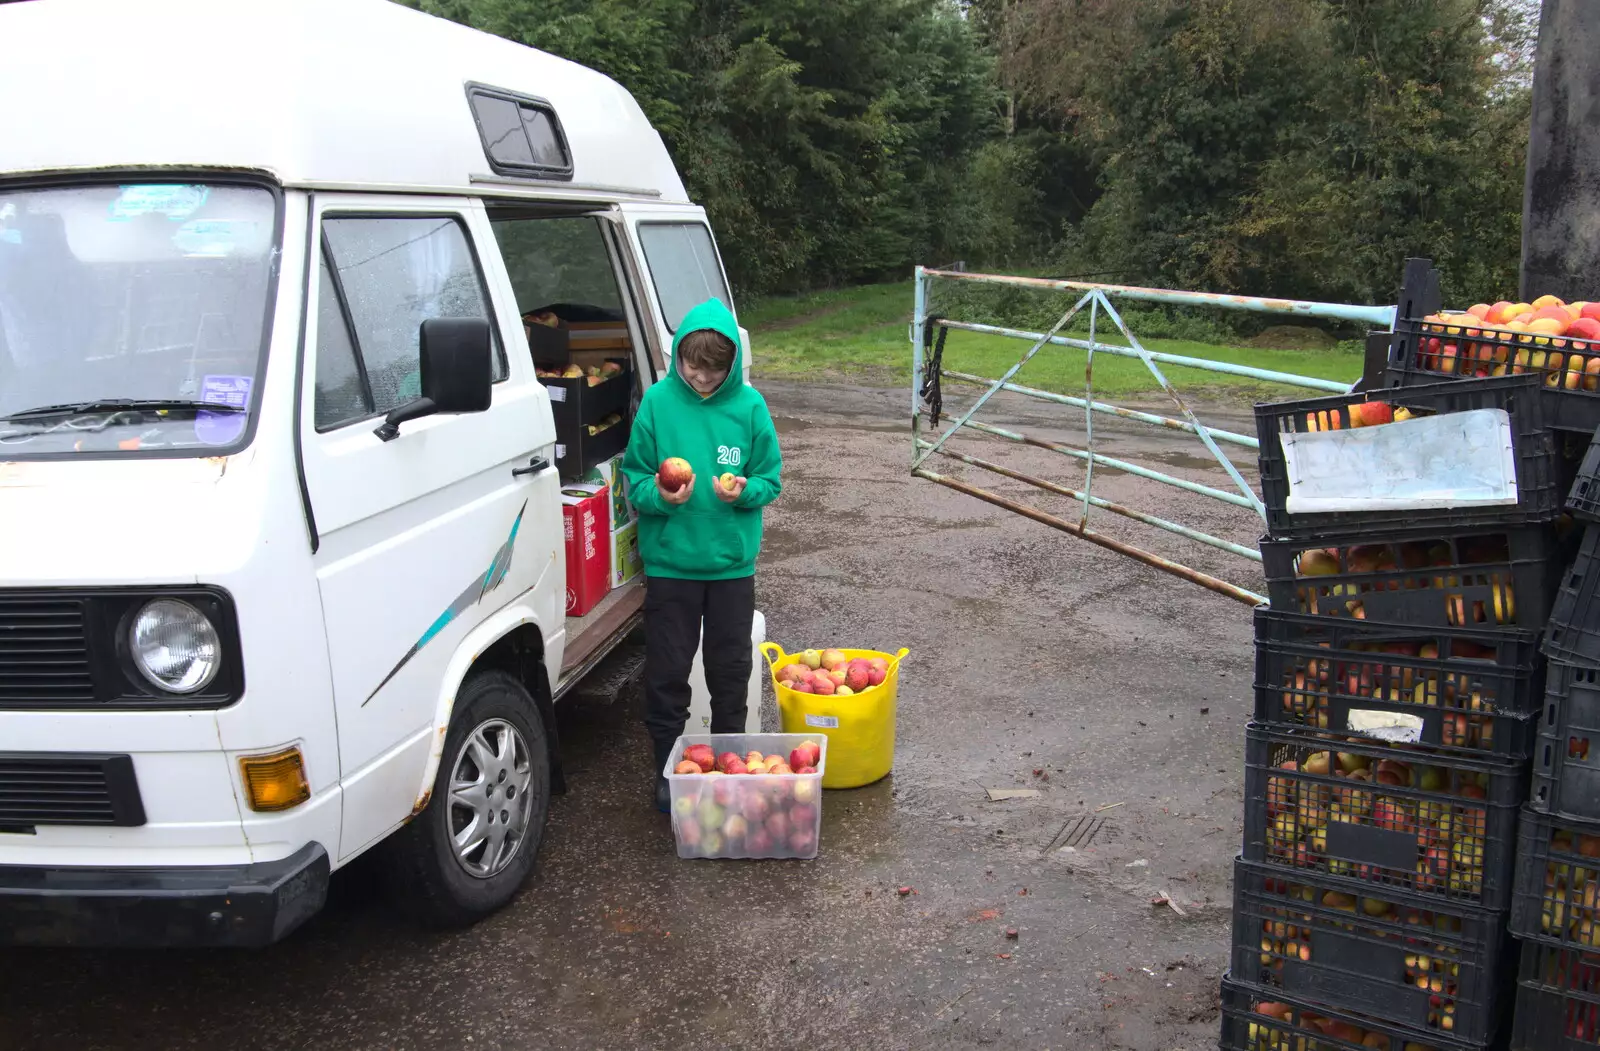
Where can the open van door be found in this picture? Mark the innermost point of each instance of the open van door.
(682, 266)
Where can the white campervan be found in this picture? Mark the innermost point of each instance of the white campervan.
(282, 555)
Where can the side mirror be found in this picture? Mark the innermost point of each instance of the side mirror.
(457, 360)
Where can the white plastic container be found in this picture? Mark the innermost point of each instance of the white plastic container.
(747, 815)
(700, 697)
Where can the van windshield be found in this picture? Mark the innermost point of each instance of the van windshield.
(132, 317)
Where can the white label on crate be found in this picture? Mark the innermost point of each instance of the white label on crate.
(557, 393)
(1394, 727)
(561, 451)
(823, 722)
(1460, 459)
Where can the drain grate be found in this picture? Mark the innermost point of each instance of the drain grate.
(1081, 831)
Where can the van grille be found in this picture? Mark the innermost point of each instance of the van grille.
(68, 790)
(44, 652)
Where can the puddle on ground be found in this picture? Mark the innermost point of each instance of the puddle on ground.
(1202, 462)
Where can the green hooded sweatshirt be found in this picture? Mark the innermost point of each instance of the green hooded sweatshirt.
(727, 431)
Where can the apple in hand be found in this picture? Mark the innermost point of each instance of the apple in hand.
(674, 473)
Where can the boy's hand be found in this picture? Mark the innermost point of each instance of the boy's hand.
(681, 496)
(729, 493)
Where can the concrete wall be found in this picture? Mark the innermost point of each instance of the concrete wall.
(1561, 206)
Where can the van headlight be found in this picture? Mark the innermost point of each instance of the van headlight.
(175, 646)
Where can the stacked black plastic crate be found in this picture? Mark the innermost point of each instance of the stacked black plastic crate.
(1555, 912)
(1398, 680)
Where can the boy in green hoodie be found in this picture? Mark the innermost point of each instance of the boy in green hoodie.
(699, 543)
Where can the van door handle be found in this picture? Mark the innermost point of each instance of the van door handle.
(537, 464)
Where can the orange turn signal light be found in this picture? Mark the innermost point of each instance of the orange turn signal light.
(276, 781)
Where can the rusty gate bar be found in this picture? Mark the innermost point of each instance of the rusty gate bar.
(1205, 580)
(1381, 316)
(1199, 488)
(1127, 512)
(1266, 375)
(1102, 407)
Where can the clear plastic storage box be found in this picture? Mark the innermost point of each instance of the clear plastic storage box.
(747, 815)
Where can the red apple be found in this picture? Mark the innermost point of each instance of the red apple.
(1585, 328)
(687, 767)
(778, 824)
(754, 806)
(703, 755)
(806, 753)
(822, 685)
(780, 767)
(858, 676)
(802, 815)
(758, 842)
(803, 841)
(801, 686)
(806, 770)
(689, 832)
(724, 791)
(735, 827)
(838, 675)
(674, 473)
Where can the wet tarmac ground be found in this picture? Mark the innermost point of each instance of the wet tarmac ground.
(1037, 661)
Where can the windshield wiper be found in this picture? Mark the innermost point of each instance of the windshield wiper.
(112, 405)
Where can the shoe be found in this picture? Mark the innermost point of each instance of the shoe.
(663, 795)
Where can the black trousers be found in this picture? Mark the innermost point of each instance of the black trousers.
(674, 612)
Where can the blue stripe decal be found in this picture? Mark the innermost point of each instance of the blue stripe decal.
(499, 566)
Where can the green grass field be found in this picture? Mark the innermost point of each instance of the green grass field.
(859, 335)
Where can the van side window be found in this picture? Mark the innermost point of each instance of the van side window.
(388, 275)
(684, 267)
(342, 391)
(559, 261)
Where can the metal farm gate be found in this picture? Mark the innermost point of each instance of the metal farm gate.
(928, 333)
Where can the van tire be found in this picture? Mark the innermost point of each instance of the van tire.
(426, 878)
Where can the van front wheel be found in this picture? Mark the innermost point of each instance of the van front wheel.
(474, 844)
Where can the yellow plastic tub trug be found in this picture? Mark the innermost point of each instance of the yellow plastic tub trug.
(859, 728)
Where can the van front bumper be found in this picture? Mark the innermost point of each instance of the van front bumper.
(227, 905)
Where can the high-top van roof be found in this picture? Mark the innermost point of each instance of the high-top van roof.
(319, 93)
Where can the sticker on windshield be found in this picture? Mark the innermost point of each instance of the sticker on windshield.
(176, 202)
(223, 428)
(213, 238)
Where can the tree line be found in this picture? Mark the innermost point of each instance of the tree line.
(1283, 147)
